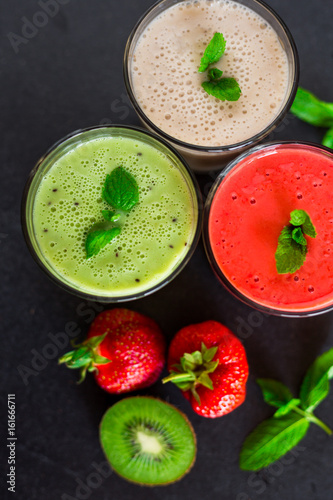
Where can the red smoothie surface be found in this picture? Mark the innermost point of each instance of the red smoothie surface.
(250, 208)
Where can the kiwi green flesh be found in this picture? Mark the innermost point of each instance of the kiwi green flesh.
(147, 441)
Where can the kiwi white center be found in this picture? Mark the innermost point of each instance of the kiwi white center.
(149, 444)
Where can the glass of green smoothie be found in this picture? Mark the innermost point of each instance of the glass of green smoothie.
(161, 72)
(65, 203)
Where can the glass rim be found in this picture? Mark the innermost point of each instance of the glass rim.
(213, 149)
(265, 309)
(197, 197)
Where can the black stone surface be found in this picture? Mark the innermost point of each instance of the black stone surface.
(66, 76)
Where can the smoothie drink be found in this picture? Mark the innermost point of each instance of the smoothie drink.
(246, 212)
(156, 235)
(164, 82)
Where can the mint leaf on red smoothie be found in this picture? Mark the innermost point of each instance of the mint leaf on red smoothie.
(290, 255)
(298, 217)
(214, 74)
(110, 216)
(292, 245)
(297, 235)
(121, 190)
(96, 240)
(225, 89)
(213, 52)
(301, 218)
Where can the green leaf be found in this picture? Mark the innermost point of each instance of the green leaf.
(213, 52)
(214, 74)
(121, 190)
(225, 89)
(328, 139)
(289, 256)
(310, 109)
(271, 440)
(275, 393)
(208, 354)
(298, 217)
(205, 380)
(315, 386)
(110, 216)
(297, 235)
(302, 218)
(96, 240)
(287, 408)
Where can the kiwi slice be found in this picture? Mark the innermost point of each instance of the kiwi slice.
(148, 441)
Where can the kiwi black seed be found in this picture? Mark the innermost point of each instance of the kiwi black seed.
(148, 441)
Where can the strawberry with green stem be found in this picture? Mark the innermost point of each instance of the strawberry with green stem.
(125, 350)
(208, 363)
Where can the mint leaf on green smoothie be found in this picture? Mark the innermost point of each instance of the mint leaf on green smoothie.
(225, 89)
(328, 139)
(213, 52)
(110, 216)
(278, 435)
(121, 190)
(292, 245)
(96, 240)
(310, 109)
(214, 74)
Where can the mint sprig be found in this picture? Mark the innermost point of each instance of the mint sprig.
(292, 248)
(225, 89)
(213, 53)
(121, 191)
(310, 109)
(278, 435)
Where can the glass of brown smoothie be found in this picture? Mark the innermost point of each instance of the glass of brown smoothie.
(161, 64)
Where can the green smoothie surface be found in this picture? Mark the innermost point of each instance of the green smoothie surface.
(155, 235)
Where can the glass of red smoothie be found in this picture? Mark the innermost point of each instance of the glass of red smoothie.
(246, 210)
(161, 63)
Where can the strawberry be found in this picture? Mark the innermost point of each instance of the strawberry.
(208, 363)
(124, 349)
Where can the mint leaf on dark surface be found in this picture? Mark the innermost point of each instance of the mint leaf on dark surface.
(272, 439)
(328, 139)
(315, 386)
(110, 216)
(96, 240)
(214, 74)
(310, 109)
(287, 408)
(213, 52)
(289, 256)
(121, 190)
(225, 89)
(297, 235)
(275, 393)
